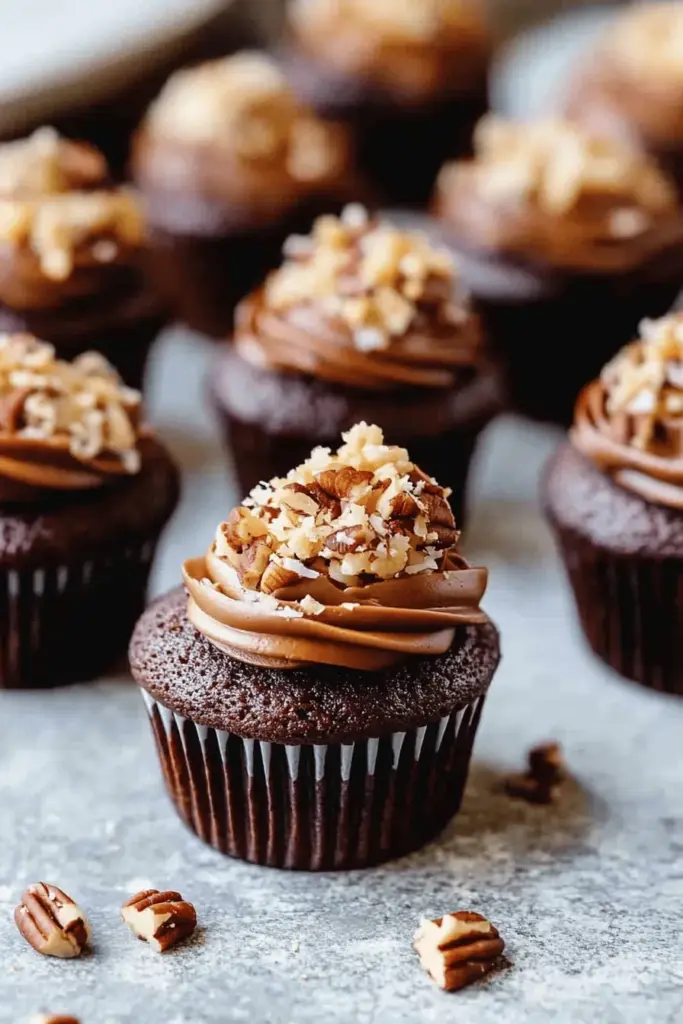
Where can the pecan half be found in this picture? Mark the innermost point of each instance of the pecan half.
(457, 949)
(51, 922)
(541, 782)
(160, 918)
(345, 482)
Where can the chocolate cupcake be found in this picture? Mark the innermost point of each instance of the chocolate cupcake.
(410, 78)
(315, 702)
(72, 254)
(614, 497)
(566, 240)
(229, 164)
(85, 491)
(630, 87)
(363, 321)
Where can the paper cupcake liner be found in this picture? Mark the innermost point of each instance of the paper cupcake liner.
(69, 622)
(315, 807)
(257, 455)
(631, 610)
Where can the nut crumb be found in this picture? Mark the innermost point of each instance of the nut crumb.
(545, 774)
(457, 949)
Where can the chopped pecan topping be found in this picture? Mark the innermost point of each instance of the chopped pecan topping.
(84, 401)
(361, 514)
(457, 949)
(558, 166)
(380, 281)
(160, 918)
(546, 772)
(51, 922)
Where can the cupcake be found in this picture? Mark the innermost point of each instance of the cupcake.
(566, 240)
(72, 254)
(363, 321)
(409, 77)
(85, 491)
(631, 85)
(315, 700)
(614, 497)
(230, 163)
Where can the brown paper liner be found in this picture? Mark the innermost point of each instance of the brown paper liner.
(315, 807)
(257, 455)
(66, 623)
(630, 609)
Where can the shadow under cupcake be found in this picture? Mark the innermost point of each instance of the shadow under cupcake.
(315, 701)
(566, 241)
(409, 79)
(229, 164)
(85, 492)
(614, 497)
(363, 321)
(72, 254)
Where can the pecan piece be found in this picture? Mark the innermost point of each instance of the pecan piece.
(403, 506)
(51, 1018)
(160, 918)
(276, 576)
(345, 482)
(252, 564)
(437, 510)
(11, 409)
(457, 949)
(546, 772)
(325, 500)
(349, 538)
(242, 528)
(51, 922)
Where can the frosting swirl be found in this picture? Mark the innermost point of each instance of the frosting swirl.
(351, 560)
(630, 421)
(64, 232)
(552, 191)
(232, 132)
(362, 303)
(415, 48)
(63, 426)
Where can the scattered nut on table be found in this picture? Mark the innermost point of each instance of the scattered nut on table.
(457, 949)
(51, 922)
(160, 918)
(49, 1018)
(543, 778)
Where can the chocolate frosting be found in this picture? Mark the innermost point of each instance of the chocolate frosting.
(442, 49)
(368, 628)
(489, 204)
(304, 339)
(606, 441)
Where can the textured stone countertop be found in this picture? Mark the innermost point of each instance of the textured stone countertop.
(588, 894)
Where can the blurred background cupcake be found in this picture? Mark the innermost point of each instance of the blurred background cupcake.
(85, 492)
(363, 321)
(229, 164)
(408, 76)
(566, 240)
(315, 703)
(630, 86)
(614, 497)
(73, 255)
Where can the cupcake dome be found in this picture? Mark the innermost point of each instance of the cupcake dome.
(230, 163)
(614, 496)
(409, 77)
(315, 696)
(72, 254)
(85, 491)
(363, 321)
(631, 86)
(552, 223)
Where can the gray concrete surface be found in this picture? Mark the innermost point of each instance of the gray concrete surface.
(588, 895)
